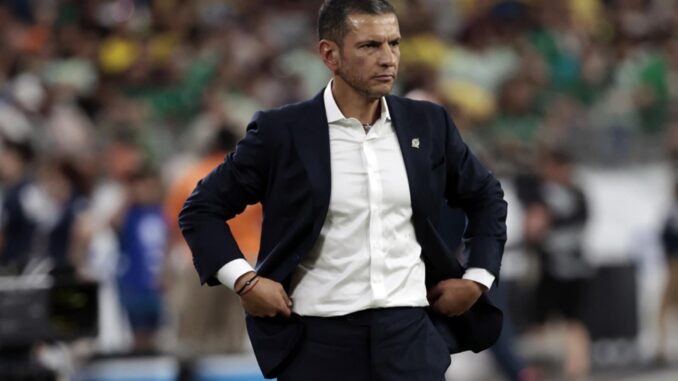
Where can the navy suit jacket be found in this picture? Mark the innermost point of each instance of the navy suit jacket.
(284, 163)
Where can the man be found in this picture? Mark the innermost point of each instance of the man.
(18, 212)
(556, 214)
(351, 256)
(220, 327)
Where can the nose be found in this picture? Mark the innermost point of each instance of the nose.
(387, 55)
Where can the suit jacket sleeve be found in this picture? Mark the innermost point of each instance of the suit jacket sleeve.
(221, 195)
(473, 188)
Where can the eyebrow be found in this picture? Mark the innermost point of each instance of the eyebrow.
(373, 41)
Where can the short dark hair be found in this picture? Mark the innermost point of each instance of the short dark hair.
(333, 14)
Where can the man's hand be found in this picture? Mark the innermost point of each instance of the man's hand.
(266, 299)
(452, 297)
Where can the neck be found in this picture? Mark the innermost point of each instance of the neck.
(354, 104)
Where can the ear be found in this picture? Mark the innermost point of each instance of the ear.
(329, 53)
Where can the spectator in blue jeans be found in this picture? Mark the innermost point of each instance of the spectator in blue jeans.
(143, 242)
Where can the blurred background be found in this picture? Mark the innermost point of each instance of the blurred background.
(112, 110)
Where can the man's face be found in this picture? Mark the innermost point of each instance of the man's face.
(369, 58)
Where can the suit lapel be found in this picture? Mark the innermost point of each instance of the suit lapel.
(312, 140)
(414, 146)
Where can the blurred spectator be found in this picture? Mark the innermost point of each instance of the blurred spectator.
(20, 204)
(556, 213)
(67, 189)
(669, 238)
(143, 244)
(518, 120)
(39, 211)
(511, 361)
(219, 328)
(96, 246)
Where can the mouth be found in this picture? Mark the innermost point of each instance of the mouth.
(384, 77)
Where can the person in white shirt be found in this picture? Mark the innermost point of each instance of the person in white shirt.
(351, 184)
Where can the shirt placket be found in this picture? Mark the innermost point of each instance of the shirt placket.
(375, 199)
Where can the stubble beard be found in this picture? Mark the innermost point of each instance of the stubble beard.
(361, 86)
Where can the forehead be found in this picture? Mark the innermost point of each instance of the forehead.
(373, 27)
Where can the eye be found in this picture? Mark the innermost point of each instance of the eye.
(370, 45)
(395, 43)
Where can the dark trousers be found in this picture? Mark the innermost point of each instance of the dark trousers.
(392, 344)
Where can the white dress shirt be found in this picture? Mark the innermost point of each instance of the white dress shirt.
(367, 255)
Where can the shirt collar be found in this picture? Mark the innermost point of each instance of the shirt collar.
(334, 114)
